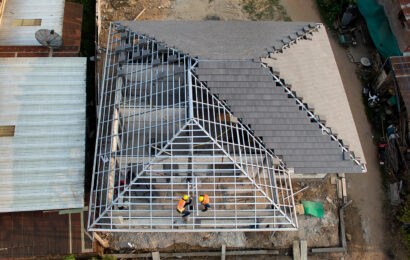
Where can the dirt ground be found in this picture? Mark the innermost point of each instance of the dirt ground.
(370, 238)
(129, 10)
(205, 9)
(365, 220)
(319, 232)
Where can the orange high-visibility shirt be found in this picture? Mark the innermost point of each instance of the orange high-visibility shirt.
(206, 199)
(181, 205)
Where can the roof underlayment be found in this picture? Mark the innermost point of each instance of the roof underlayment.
(42, 163)
(49, 11)
(163, 134)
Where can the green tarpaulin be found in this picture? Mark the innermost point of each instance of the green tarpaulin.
(379, 28)
(313, 208)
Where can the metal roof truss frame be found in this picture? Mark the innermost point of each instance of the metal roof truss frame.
(163, 134)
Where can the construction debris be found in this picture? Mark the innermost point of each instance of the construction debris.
(141, 13)
(300, 210)
(102, 242)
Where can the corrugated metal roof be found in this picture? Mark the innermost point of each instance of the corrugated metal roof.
(50, 11)
(42, 166)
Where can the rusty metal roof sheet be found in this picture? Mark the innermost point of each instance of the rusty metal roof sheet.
(401, 72)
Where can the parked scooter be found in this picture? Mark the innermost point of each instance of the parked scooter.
(372, 97)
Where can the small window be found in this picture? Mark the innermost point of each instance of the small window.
(7, 130)
(26, 22)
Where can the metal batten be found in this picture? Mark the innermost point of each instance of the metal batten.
(163, 134)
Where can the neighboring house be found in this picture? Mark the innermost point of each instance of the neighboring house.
(19, 21)
(42, 140)
(42, 132)
(194, 107)
(398, 13)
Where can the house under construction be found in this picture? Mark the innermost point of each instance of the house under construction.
(164, 131)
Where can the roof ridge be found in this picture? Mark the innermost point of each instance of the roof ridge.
(305, 34)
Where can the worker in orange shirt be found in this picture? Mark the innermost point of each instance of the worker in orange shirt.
(204, 199)
(184, 201)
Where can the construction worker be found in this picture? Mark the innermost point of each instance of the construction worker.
(204, 199)
(184, 201)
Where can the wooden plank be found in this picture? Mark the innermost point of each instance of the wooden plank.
(88, 240)
(155, 256)
(344, 187)
(332, 179)
(7, 130)
(28, 233)
(300, 210)
(296, 250)
(102, 242)
(223, 252)
(139, 15)
(328, 250)
(76, 236)
(303, 250)
(342, 228)
(197, 254)
(114, 140)
(339, 189)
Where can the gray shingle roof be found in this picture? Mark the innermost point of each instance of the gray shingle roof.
(226, 50)
(252, 95)
(218, 39)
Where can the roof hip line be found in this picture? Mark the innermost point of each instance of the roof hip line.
(313, 117)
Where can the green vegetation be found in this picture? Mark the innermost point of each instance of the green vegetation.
(266, 10)
(88, 50)
(331, 10)
(118, 3)
(404, 218)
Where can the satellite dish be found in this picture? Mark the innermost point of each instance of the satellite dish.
(49, 38)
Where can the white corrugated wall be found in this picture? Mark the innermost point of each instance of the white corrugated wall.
(42, 166)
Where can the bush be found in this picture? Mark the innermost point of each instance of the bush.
(331, 11)
(404, 218)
